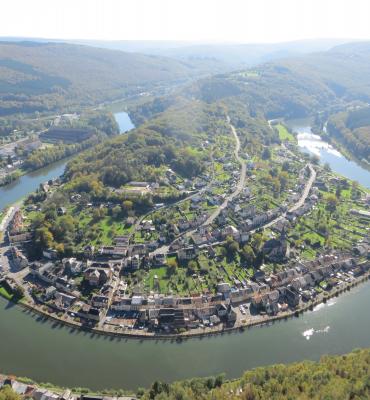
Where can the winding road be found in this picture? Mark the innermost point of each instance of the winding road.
(242, 178)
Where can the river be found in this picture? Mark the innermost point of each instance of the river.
(314, 144)
(124, 122)
(30, 182)
(27, 184)
(46, 351)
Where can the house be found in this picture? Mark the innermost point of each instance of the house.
(121, 304)
(51, 254)
(276, 250)
(223, 288)
(18, 387)
(214, 319)
(92, 276)
(44, 394)
(114, 251)
(138, 249)
(171, 318)
(133, 262)
(316, 277)
(99, 301)
(183, 224)
(221, 310)
(259, 275)
(271, 308)
(292, 297)
(50, 292)
(61, 211)
(97, 276)
(90, 313)
(139, 184)
(147, 226)
(187, 253)
(130, 221)
(230, 231)
(72, 266)
(19, 259)
(89, 251)
(159, 259)
(64, 299)
(230, 316)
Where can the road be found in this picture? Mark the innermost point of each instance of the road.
(242, 178)
(235, 193)
(299, 203)
(4, 261)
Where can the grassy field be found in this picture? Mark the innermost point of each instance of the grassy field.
(284, 134)
(4, 293)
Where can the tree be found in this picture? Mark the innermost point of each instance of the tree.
(127, 205)
(192, 266)
(172, 266)
(233, 247)
(223, 252)
(64, 228)
(266, 153)
(331, 202)
(116, 211)
(257, 242)
(248, 254)
(43, 237)
(285, 166)
(7, 393)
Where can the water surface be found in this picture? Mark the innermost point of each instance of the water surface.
(314, 144)
(46, 351)
(124, 121)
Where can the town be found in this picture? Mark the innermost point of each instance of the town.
(212, 259)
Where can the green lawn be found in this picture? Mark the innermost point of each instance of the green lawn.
(4, 293)
(284, 134)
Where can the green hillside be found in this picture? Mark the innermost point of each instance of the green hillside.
(352, 129)
(41, 76)
(299, 86)
(332, 378)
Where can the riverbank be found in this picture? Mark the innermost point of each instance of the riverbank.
(206, 331)
(84, 356)
(329, 152)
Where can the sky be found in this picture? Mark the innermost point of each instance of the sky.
(241, 21)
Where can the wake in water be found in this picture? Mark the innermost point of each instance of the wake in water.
(309, 332)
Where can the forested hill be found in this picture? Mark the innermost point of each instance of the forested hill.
(38, 76)
(298, 86)
(335, 377)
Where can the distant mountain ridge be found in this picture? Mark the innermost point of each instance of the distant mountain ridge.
(38, 76)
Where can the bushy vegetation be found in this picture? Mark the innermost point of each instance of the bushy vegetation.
(101, 123)
(170, 139)
(333, 377)
(352, 128)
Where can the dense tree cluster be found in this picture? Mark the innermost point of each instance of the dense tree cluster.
(102, 123)
(171, 140)
(352, 128)
(333, 377)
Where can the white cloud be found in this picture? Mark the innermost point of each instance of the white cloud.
(211, 20)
